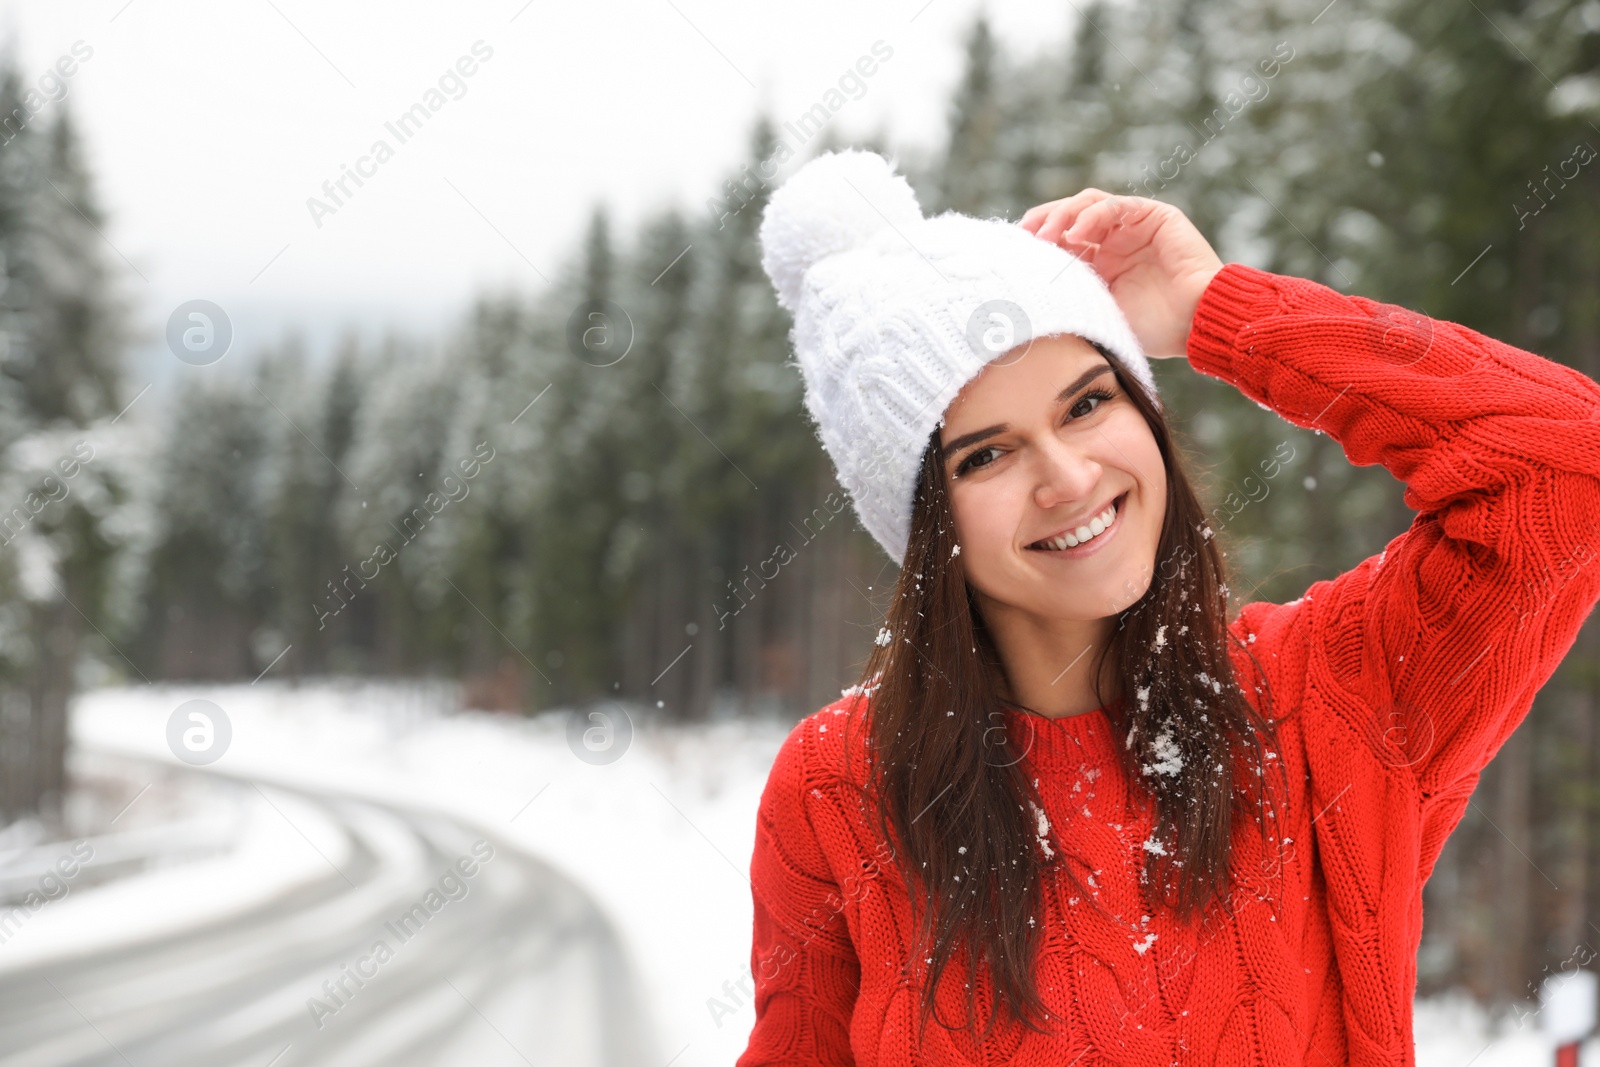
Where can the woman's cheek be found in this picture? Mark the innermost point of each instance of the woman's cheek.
(980, 513)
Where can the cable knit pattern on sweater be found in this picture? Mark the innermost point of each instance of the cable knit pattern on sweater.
(1392, 686)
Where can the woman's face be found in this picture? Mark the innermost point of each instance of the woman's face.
(1037, 447)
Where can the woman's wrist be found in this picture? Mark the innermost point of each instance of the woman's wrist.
(1195, 290)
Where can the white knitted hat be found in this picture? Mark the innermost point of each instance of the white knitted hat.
(894, 313)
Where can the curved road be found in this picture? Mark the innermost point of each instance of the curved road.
(521, 970)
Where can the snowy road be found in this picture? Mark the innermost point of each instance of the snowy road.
(425, 944)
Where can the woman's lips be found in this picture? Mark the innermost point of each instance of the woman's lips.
(1084, 548)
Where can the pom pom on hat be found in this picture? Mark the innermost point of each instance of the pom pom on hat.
(835, 203)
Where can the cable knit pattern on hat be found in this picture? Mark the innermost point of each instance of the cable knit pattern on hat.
(1392, 686)
(894, 313)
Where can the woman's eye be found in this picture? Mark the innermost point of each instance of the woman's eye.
(976, 459)
(1098, 394)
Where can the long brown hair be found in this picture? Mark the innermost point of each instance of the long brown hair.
(943, 769)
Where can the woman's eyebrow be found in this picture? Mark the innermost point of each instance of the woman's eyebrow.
(972, 438)
(989, 431)
(1082, 380)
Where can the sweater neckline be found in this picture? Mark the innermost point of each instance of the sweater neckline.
(1066, 740)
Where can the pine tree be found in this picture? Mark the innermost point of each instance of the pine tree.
(975, 175)
(59, 384)
(207, 575)
(309, 437)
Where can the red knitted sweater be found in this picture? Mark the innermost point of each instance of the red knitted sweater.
(1391, 686)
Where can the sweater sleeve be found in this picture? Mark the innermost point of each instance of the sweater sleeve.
(1430, 651)
(802, 958)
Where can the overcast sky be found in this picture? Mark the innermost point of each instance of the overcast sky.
(209, 126)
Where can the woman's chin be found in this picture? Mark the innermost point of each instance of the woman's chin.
(1072, 593)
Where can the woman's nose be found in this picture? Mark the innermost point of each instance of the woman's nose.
(1065, 475)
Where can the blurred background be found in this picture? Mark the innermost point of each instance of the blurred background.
(400, 462)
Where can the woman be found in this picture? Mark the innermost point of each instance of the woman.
(1073, 814)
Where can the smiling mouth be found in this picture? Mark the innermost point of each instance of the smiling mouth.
(1072, 538)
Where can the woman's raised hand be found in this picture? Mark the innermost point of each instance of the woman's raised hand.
(1152, 258)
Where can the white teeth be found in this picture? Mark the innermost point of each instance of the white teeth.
(1074, 538)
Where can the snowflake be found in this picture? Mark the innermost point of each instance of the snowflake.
(1169, 758)
(863, 690)
(883, 638)
(1043, 829)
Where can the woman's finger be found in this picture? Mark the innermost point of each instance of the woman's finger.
(1096, 222)
(1067, 212)
(1046, 221)
(1034, 215)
